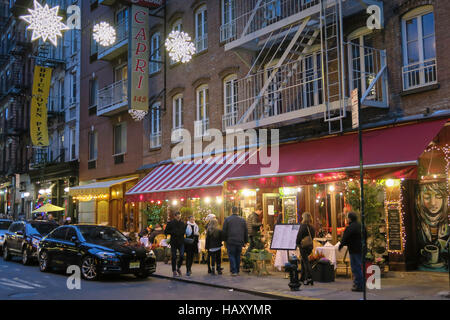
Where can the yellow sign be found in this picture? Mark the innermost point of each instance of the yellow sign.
(38, 114)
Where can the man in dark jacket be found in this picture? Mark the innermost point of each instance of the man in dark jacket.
(253, 226)
(352, 239)
(176, 229)
(235, 235)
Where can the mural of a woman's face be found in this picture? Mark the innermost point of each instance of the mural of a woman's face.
(433, 201)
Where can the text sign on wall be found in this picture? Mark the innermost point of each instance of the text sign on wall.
(139, 55)
(355, 104)
(38, 112)
(394, 223)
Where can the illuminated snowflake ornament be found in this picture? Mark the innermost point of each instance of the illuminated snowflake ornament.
(104, 34)
(45, 23)
(137, 115)
(180, 46)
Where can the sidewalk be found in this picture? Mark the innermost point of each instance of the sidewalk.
(395, 286)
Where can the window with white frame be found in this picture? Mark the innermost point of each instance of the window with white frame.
(155, 126)
(228, 29)
(230, 91)
(419, 48)
(155, 53)
(178, 112)
(92, 140)
(362, 61)
(202, 123)
(272, 11)
(312, 80)
(120, 138)
(73, 137)
(73, 97)
(201, 29)
(74, 41)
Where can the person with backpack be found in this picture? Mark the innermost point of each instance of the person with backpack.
(191, 243)
(305, 243)
(213, 244)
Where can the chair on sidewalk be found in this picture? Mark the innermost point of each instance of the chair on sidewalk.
(342, 261)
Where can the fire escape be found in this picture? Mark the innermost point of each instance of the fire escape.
(303, 67)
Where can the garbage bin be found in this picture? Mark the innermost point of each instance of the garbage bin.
(323, 271)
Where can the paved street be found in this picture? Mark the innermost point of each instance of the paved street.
(27, 282)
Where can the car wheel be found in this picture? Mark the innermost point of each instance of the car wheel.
(89, 269)
(44, 261)
(142, 274)
(6, 254)
(25, 257)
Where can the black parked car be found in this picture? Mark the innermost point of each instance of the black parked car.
(4, 226)
(96, 250)
(22, 239)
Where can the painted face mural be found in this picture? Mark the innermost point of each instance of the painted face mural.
(433, 230)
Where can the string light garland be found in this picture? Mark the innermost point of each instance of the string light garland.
(104, 34)
(45, 23)
(180, 47)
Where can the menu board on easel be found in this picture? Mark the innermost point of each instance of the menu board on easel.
(394, 223)
(285, 237)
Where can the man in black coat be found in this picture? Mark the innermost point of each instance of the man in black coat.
(235, 234)
(352, 239)
(176, 229)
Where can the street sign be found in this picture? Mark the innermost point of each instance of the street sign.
(153, 4)
(355, 103)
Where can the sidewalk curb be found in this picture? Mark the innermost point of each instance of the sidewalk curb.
(273, 295)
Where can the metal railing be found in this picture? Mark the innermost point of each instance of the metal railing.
(121, 35)
(200, 127)
(114, 94)
(419, 74)
(155, 140)
(229, 119)
(176, 135)
(254, 15)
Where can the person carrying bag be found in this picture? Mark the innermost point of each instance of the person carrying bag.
(191, 243)
(305, 243)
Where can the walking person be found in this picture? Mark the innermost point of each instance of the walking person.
(191, 243)
(235, 234)
(213, 244)
(305, 243)
(352, 239)
(253, 224)
(208, 218)
(176, 229)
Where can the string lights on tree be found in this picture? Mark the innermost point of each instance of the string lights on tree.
(104, 34)
(45, 23)
(180, 47)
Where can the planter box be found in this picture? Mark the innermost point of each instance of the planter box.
(323, 272)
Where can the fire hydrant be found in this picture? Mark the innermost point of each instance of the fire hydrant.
(292, 268)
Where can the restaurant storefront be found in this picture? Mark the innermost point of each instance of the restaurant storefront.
(102, 202)
(322, 177)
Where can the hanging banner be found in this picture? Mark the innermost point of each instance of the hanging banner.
(38, 112)
(139, 55)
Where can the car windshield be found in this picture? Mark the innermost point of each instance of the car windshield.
(41, 228)
(100, 233)
(4, 225)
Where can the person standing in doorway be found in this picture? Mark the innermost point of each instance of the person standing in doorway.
(305, 243)
(208, 219)
(213, 244)
(176, 229)
(352, 239)
(235, 235)
(191, 244)
(253, 225)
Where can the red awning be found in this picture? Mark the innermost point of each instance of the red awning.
(192, 179)
(390, 151)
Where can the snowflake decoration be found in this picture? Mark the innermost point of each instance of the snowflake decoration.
(137, 115)
(180, 46)
(45, 23)
(104, 34)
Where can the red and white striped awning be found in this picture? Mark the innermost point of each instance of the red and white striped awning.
(191, 179)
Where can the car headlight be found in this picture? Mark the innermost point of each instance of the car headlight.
(106, 255)
(150, 253)
(35, 242)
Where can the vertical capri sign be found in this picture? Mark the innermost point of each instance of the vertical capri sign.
(139, 55)
(38, 113)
